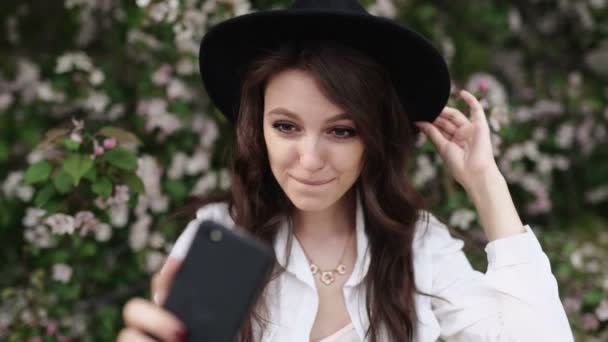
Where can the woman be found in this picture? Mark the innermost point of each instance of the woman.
(325, 123)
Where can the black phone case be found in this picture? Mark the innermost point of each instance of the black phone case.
(218, 282)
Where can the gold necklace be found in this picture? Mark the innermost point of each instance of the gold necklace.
(327, 277)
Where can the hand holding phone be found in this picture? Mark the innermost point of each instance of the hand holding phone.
(218, 282)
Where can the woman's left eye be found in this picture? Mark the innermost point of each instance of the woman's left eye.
(343, 132)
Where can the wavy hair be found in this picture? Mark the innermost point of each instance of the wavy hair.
(391, 205)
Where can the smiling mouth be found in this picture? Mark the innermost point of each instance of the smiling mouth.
(319, 182)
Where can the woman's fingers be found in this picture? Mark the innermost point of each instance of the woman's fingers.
(455, 116)
(161, 282)
(144, 316)
(477, 113)
(445, 125)
(432, 132)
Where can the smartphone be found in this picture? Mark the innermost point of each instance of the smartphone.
(218, 282)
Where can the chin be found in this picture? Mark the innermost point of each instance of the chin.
(306, 203)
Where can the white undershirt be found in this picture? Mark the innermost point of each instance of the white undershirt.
(346, 334)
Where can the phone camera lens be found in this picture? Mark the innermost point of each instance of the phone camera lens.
(215, 235)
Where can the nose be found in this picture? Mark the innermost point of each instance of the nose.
(311, 154)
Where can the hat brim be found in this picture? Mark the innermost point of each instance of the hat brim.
(418, 71)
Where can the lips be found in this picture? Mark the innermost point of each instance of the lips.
(312, 182)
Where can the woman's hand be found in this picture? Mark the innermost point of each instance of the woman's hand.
(146, 320)
(463, 143)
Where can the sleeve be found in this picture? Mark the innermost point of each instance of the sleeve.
(516, 299)
(215, 211)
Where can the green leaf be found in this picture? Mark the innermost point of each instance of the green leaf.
(43, 196)
(121, 135)
(71, 145)
(121, 158)
(135, 183)
(76, 165)
(38, 172)
(4, 151)
(91, 174)
(176, 189)
(593, 297)
(103, 187)
(63, 182)
(89, 248)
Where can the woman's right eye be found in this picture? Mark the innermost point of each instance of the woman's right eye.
(284, 127)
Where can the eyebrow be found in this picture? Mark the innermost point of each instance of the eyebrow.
(287, 112)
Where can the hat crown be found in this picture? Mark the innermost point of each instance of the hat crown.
(331, 5)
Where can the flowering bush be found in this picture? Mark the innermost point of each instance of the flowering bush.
(106, 131)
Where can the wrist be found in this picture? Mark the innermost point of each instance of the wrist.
(483, 184)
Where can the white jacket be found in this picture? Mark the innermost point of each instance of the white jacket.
(515, 300)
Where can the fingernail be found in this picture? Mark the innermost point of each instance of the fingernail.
(157, 297)
(181, 334)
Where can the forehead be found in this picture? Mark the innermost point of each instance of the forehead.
(298, 92)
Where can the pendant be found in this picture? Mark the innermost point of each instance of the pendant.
(327, 277)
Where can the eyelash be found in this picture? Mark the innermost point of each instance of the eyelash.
(280, 126)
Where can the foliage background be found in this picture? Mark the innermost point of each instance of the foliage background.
(75, 246)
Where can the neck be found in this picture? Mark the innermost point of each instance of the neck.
(337, 220)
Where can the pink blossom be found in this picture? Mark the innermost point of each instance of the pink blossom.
(98, 150)
(590, 322)
(109, 143)
(51, 328)
(484, 85)
(162, 75)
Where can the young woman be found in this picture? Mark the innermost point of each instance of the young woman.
(327, 101)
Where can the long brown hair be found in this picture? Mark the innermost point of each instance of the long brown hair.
(391, 205)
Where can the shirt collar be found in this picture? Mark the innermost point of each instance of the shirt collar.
(298, 263)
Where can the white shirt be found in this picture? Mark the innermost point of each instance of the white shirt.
(515, 300)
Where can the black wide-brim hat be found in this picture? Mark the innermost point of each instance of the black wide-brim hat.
(417, 69)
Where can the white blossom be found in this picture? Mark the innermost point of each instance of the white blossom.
(85, 221)
(46, 93)
(13, 186)
(462, 218)
(156, 240)
(62, 272)
(96, 77)
(565, 135)
(103, 232)
(73, 60)
(383, 8)
(39, 236)
(32, 216)
(205, 184)
(178, 165)
(119, 215)
(154, 261)
(139, 232)
(60, 223)
(602, 310)
(425, 171)
(6, 99)
(597, 195)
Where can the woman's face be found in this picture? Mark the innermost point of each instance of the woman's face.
(314, 150)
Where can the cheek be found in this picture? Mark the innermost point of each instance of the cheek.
(280, 153)
(349, 159)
